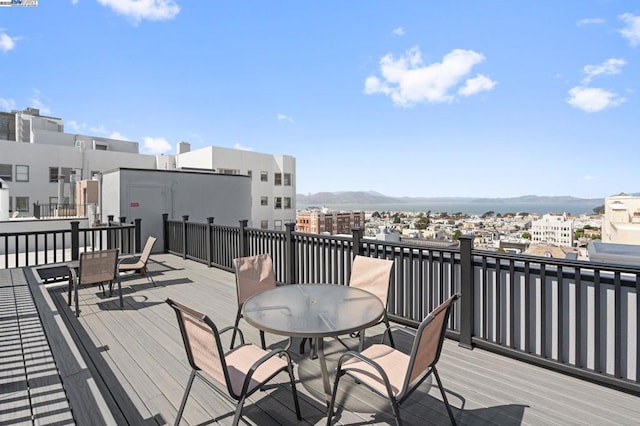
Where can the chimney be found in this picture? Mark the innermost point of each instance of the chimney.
(183, 147)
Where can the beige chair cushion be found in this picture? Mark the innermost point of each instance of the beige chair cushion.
(240, 360)
(392, 361)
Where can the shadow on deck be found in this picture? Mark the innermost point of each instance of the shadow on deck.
(129, 366)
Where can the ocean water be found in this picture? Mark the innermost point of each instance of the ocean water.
(471, 208)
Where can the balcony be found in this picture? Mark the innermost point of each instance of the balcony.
(128, 366)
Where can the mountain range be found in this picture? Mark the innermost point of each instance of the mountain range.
(372, 197)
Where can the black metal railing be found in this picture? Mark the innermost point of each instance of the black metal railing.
(34, 248)
(577, 317)
(59, 210)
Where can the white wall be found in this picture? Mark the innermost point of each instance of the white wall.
(246, 162)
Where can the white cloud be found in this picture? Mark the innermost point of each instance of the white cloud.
(74, 125)
(476, 85)
(590, 178)
(156, 145)
(7, 104)
(119, 136)
(242, 148)
(138, 10)
(610, 66)
(408, 81)
(590, 21)
(593, 99)
(398, 31)
(74, 1)
(632, 29)
(282, 117)
(101, 130)
(7, 42)
(36, 102)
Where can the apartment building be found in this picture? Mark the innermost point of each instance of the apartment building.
(40, 163)
(552, 229)
(322, 221)
(273, 185)
(621, 222)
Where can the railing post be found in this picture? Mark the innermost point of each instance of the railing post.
(165, 232)
(138, 235)
(185, 218)
(36, 210)
(244, 240)
(75, 240)
(209, 238)
(109, 219)
(357, 233)
(467, 314)
(290, 254)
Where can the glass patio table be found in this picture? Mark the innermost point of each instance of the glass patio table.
(313, 311)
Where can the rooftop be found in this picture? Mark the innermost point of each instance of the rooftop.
(129, 366)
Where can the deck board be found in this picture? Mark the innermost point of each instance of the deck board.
(136, 357)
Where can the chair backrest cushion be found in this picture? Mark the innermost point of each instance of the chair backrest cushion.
(146, 251)
(372, 274)
(98, 266)
(201, 341)
(253, 275)
(429, 339)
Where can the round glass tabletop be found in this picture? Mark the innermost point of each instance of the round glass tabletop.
(313, 310)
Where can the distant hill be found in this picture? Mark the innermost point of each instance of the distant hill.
(371, 197)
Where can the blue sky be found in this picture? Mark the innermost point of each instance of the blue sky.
(408, 98)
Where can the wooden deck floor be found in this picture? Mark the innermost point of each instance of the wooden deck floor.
(136, 358)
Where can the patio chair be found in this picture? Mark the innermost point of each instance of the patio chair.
(253, 275)
(242, 370)
(139, 263)
(95, 267)
(394, 374)
(373, 275)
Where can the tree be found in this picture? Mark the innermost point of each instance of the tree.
(456, 235)
(599, 210)
(375, 215)
(526, 235)
(422, 222)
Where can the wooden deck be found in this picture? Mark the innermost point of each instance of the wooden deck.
(133, 368)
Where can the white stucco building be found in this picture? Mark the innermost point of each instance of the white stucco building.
(621, 222)
(36, 153)
(555, 230)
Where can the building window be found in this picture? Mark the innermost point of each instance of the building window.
(53, 200)
(264, 201)
(65, 172)
(22, 204)
(6, 172)
(277, 179)
(278, 202)
(277, 225)
(101, 147)
(250, 174)
(264, 224)
(287, 202)
(287, 179)
(264, 177)
(22, 173)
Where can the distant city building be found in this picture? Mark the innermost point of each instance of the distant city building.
(551, 229)
(621, 222)
(41, 163)
(322, 221)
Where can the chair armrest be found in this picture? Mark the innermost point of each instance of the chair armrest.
(231, 327)
(262, 360)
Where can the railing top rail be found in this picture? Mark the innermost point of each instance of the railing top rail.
(569, 263)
